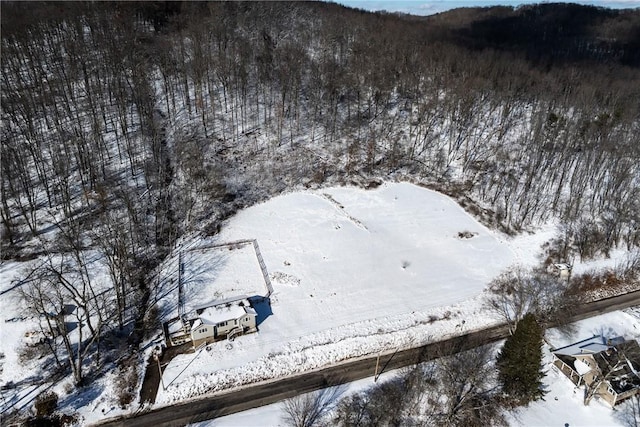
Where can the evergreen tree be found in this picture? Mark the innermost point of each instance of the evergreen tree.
(520, 362)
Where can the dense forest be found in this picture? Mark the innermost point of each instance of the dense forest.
(126, 125)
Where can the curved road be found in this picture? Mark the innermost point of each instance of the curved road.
(265, 393)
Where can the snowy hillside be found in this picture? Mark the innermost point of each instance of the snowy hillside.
(137, 138)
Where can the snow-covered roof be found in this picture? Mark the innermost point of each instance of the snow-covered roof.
(225, 311)
(214, 303)
(595, 344)
(581, 367)
(174, 327)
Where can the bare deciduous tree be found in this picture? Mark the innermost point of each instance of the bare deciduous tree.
(616, 364)
(517, 292)
(465, 391)
(455, 390)
(629, 412)
(308, 410)
(54, 293)
(390, 403)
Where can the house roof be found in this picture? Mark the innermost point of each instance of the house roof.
(621, 361)
(580, 367)
(595, 344)
(222, 312)
(221, 302)
(617, 359)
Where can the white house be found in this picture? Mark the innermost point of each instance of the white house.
(224, 318)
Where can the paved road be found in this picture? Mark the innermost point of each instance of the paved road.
(263, 394)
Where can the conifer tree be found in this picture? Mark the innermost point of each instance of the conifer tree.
(520, 362)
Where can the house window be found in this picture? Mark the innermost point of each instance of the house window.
(222, 324)
(235, 321)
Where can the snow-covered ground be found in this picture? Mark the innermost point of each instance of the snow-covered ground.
(562, 405)
(22, 377)
(216, 272)
(355, 272)
(15, 328)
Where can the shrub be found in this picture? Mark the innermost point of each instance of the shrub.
(591, 283)
(466, 234)
(126, 382)
(46, 404)
(29, 352)
(152, 322)
(53, 421)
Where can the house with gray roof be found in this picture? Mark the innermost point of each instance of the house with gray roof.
(606, 367)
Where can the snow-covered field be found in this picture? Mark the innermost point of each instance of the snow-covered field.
(220, 272)
(355, 272)
(562, 405)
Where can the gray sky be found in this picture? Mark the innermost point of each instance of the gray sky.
(429, 7)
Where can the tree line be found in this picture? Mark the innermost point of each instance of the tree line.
(258, 89)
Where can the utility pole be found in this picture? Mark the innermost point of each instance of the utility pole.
(180, 288)
(377, 375)
(157, 358)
